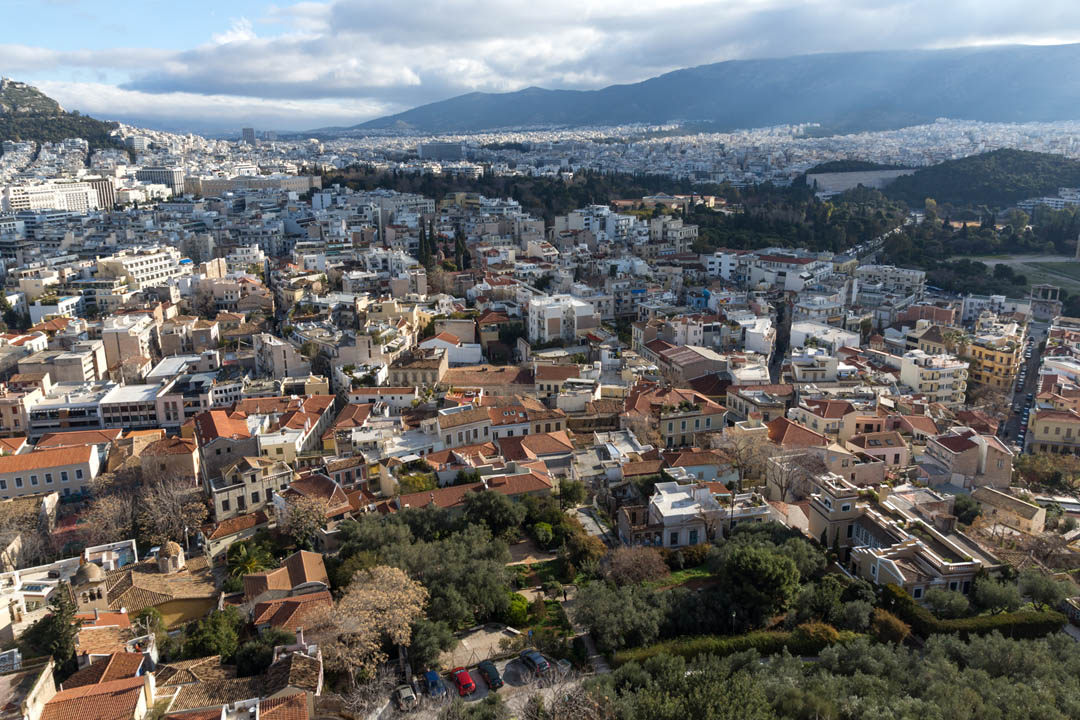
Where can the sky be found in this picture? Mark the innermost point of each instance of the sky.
(217, 66)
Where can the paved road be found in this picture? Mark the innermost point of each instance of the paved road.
(587, 517)
(1012, 425)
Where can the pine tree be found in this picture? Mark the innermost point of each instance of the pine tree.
(422, 251)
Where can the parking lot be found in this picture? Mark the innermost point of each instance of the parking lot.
(518, 681)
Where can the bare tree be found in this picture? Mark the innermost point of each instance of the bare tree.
(363, 697)
(380, 604)
(564, 698)
(170, 509)
(302, 519)
(749, 452)
(788, 475)
(646, 429)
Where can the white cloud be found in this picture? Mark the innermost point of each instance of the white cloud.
(241, 31)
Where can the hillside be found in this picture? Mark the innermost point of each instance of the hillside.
(997, 179)
(28, 114)
(842, 91)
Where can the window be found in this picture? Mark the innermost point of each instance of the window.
(846, 507)
(241, 503)
(3, 484)
(78, 473)
(18, 482)
(850, 529)
(916, 593)
(279, 451)
(953, 585)
(63, 476)
(693, 537)
(674, 539)
(224, 503)
(33, 479)
(255, 497)
(48, 478)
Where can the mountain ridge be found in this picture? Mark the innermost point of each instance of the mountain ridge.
(874, 90)
(27, 114)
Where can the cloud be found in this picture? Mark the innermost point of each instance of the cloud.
(377, 54)
(208, 112)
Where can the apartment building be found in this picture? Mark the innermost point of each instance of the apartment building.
(248, 485)
(277, 358)
(902, 281)
(127, 337)
(1053, 431)
(69, 406)
(938, 378)
(994, 360)
(142, 269)
(969, 459)
(67, 471)
(85, 362)
(171, 177)
(73, 196)
(560, 317)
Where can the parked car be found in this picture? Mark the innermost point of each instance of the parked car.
(435, 686)
(535, 662)
(490, 673)
(405, 698)
(463, 681)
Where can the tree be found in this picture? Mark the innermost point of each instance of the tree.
(789, 475)
(646, 429)
(619, 617)
(171, 510)
(379, 605)
(966, 509)
(997, 596)
(429, 641)
(571, 493)
(245, 558)
(494, 510)
(946, 603)
(216, 634)
(635, 565)
(820, 600)
(302, 519)
(761, 583)
(581, 549)
(55, 634)
(255, 656)
(889, 628)
(855, 615)
(1045, 592)
(747, 451)
(370, 692)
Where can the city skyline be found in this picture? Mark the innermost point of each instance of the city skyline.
(304, 65)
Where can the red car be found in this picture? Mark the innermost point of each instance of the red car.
(464, 682)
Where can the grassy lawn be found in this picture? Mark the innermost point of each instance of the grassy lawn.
(540, 573)
(412, 482)
(681, 577)
(1063, 274)
(1072, 269)
(554, 621)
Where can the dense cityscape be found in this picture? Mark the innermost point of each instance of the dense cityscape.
(638, 421)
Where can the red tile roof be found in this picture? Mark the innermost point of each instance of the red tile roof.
(786, 433)
(44, 459)
(830, 409)
(221, 424)
(78, 437)
(118, 666)
(235, 525)
(290, 613)
(115, 700)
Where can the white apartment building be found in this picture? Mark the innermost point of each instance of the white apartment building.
(560, 317)
(171, 177)
(127, 337)
(827, 337)
(243, 257)
(149, 268)
(279, 359)
(903, 281)
(940, 378)
(75, 196)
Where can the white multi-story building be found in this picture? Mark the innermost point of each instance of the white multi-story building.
(939, 378)
(560, 317)
(71, 196)
(904, 281)
(171, 177)
(148, 268)
(279, 359)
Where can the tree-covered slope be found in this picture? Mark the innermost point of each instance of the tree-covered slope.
(27, 114)
(996, 179)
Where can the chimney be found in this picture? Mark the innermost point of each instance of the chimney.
(300, 636)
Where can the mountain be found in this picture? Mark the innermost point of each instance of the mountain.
(997, 179)
(26, 113)
(842, 91)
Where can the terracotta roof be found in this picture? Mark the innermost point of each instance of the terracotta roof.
(12, 445)
(643, 467)
(215, 693)
(923, 423)
(44, 459)
(141, 585)
(878, 440)
(219, 423)
(454, 496)
(955, 443)
(488, 375)
(235, 525)
(299, 568)
(532, 447)
(170, 446)
(290, 707)
(104, 619)
(115, 700)
(295, 670)
(353, 415)
(318, 486)
(557, 372)
(830, 409)
(694, 457)
(289, 613)
(55, 324)
(118, 666)
(78, 437)
(463, 417)
(786, 433)
(448, 338)
(184, 672)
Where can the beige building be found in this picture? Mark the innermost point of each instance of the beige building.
(420, 368)
(248, 485)
(938, 378)
(277, 358)
(128, 337)
(67, 471)
(1003, 508)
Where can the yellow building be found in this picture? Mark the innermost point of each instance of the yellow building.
(994, 362)
(1055, 431)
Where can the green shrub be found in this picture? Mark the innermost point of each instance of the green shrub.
(518, 613)
(888, 628)
(1025, 624)
(809, 641)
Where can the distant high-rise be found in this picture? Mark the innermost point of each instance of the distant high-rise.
(248, 136)
(138, 143)
(441, 151)
(269, 135)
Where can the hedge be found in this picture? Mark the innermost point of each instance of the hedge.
(810, 639)
(1025, 624)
